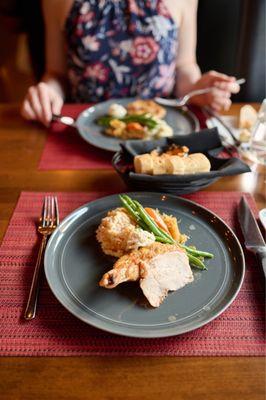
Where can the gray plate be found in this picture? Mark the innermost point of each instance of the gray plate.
(74, 263)
(182, 121)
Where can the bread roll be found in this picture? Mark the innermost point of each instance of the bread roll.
(159, 166)
(173, 165)
(244, 135)
(143, 164)
(247, 117)
(196, 163)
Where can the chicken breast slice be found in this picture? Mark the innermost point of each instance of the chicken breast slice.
(166, 272)
(159, 267)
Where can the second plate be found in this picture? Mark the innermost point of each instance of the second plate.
(182, 121)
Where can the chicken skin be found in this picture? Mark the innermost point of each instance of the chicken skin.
(159, 269)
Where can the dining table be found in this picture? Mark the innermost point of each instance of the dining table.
(111, 377)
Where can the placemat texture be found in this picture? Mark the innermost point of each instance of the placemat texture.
(55, 332)
(66, 150)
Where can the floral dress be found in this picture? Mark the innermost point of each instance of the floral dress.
(120, 48)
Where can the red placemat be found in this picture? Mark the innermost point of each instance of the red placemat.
(55, 332)
(65, 149)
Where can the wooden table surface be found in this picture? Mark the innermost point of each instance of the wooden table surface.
(111, 378)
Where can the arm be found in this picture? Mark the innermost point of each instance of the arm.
(55, 68)
(188, 72)
(48, 95)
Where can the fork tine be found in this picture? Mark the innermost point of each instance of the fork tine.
(56, 211)
(47, 212)
(52, 223)
(50, 217)
(44, 211)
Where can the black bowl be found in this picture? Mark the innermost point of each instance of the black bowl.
(207, 142)
(159, 185)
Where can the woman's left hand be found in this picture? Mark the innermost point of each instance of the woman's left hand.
(222, 88)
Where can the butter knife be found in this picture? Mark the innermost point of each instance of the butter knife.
(253, 238)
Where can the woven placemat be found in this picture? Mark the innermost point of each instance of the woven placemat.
(55, 332)
(64, 149)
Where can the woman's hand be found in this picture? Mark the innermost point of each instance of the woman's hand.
(222, 88)
(41, 102)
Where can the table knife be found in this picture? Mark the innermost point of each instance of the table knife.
(253, 238)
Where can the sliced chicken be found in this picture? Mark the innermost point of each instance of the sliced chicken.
(159, 267)
(166, 272)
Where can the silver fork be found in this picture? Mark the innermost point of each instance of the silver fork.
(64, 119)
(48, 222)
(182, 101)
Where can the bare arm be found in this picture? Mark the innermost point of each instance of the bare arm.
(47, 96)
(55, 66)
(188, 71)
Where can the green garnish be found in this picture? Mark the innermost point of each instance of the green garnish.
(142, 218)
(143, 119)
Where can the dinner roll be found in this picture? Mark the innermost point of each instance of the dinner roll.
(159, 167)
(196, 163)
(174, 165)
(143, 164)
(247, 117)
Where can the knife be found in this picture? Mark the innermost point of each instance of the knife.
(253, 238)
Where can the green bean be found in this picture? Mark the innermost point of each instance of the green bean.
(162, 240)
(165, 234)
(142, 119)
(133, 213)
(130, 209)
(148, 221)
(135, 207)
(104, 120)
(129, 201)
(196, 262)
(197, 252)
(145, 222)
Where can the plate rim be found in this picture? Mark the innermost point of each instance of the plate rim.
(190, 114)
(144, 333)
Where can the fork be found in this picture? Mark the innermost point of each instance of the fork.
(64, 119)
(48, 222)
(182, 101)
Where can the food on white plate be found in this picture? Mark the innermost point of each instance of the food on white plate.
(247, 117)
(159, 268)
(160, 262)
(140, 120)
(173, 162)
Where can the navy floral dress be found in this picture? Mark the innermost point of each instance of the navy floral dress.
(119, 48)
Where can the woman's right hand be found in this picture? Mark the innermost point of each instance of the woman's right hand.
(40, 103)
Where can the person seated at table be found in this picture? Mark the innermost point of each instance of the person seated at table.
(101, 49)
